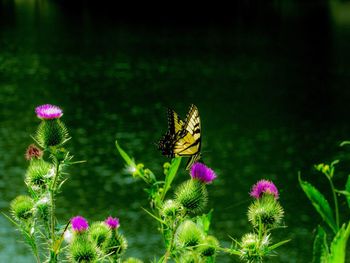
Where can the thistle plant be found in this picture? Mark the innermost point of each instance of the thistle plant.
(265, 214)
(184, 223)
(34, 214)
(181, 218)
(335, 252)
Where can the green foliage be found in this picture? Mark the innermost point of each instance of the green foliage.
(115, 245)
(322, 252)
(347, 189)
(320, 249)
(320, 203)
(338, 245)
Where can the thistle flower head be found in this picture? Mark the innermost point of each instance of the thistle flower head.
(48, 111)
(133, 260)
(33, 152)
(188, 234)
(22, 207)
(37, 174)
(252, 249)
(99, 232)
(113, 223)
(170, 208)
(266, 211)
(202, 173)
(192, 195)
(209, 246)
(82, 250)
(115, 245)
(264, 187)
(79, 224)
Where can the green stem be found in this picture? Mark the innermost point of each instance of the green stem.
(53, 193)
(170, 247)
(335, 201)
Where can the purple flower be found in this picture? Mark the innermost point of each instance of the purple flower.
(264, 186)
(79, 223)
(48, 111)
(203, 173)
(112, 222)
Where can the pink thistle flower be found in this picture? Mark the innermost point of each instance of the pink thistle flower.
(79, 224)
(203, 173)
(48, 111)
(264, 186)
(113, 223)
(33, 151)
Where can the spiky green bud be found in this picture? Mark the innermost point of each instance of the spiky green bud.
(115, 245)
(170, 208)
(188, 234)
(192, 195)
(99, 232)
(209, 246)
(37, 173)
(253, 249)
(43, 205)
(266, 210)
(51, 132)
(22, 207)
(190, 257)
(82, 250)
(133, 260)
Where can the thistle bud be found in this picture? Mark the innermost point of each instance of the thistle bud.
(170, 208)
(192, 195)
(22, 207)
(253, 250)
(37, 173)
(33, 152)
(188, 234)
(209, 246)
(266, 211)
(133, 260)
(115, 245)
(190, 257)
(51, 131)
(99, 232)
(82, 250)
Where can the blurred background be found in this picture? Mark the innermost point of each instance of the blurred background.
(270, 79)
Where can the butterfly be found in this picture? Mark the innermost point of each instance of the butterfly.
(183, 138)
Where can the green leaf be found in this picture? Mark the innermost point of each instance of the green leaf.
(124, 155)
(347, 188)
(274, 246)
(320, 203)
(203, 221)
(320, 249)
(338, 246)
(174, 166)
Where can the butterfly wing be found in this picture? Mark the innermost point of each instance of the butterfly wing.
(175, 131)
(190, 143)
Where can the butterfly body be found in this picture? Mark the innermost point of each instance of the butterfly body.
(183, 138)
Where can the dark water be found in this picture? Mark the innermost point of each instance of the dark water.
(271, 83)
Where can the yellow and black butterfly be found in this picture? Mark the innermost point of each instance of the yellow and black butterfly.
(183, 138)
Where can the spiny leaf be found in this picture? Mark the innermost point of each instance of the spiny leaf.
(338, 246)
(320, 203)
